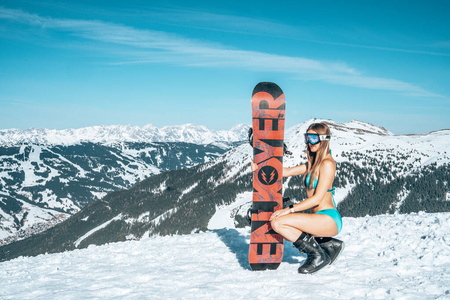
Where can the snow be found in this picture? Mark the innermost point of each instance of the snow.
(188, 190)
(341, 193)
(162, 216)
(99, 195)
(189, 133)
(31, 179)
(224, 216)
(386, 257)
(82, 172)
(91, 232)
(367, 127)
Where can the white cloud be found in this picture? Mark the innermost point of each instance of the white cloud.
(150, 46)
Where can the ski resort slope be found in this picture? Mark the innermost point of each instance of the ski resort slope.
(386, 257)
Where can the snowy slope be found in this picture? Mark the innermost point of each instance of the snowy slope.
(386, 257)
(47, 175)
(358, 143)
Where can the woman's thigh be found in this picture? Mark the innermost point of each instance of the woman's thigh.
(315, 224)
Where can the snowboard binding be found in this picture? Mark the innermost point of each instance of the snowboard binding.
(250, 141)
(251, 211)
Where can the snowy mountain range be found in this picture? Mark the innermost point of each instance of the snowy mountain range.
(377, 173)
(187, 133)
(47, 175)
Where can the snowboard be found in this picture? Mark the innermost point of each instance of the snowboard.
(268, 110)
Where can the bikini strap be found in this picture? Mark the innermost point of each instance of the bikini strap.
(332, 195)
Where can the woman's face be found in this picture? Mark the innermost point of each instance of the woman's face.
(316, 147)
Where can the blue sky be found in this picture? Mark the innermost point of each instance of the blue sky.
(70, 65)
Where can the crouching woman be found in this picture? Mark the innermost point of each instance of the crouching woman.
(311, 232)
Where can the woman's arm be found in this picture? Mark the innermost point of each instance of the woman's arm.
(293, 171)
(287, 172)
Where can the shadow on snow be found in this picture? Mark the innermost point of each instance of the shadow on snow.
(239, 245)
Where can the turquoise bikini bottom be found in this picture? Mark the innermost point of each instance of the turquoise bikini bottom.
(333, 213)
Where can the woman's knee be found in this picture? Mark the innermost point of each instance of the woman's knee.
(276, 224)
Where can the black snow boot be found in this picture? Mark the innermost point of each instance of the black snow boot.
(333, 247)
(317, 258)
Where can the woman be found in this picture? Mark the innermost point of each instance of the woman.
(324, 219)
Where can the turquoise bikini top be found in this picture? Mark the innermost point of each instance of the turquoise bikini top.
(308, 177)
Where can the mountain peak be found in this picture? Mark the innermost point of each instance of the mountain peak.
(367, 127)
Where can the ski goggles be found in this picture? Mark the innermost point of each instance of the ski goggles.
(314, 138)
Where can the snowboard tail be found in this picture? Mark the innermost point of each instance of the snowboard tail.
(268, 112)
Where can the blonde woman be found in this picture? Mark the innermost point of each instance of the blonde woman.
(324, 220)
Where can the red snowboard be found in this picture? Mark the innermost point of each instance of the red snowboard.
(268, 108)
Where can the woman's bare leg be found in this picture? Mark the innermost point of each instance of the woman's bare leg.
(291, 226)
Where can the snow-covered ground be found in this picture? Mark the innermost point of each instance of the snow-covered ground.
(386, 257)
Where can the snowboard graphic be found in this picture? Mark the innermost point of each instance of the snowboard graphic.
(268, 107)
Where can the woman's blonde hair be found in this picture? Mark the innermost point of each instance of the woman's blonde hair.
(316, 158)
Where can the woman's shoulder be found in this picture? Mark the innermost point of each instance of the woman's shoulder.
(328, 163)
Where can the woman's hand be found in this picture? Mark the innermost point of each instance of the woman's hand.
(254, 166)
(279, 213)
